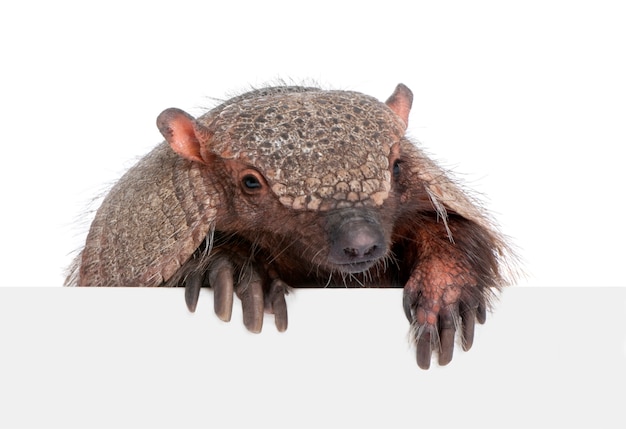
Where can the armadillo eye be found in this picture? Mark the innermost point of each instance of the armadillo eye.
(251, 182)
(396, 169)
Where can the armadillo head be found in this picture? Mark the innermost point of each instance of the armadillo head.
(317, 149)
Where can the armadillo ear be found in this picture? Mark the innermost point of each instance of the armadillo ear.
(400, 102)
(183, 133)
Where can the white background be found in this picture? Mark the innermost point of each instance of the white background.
(526, 101)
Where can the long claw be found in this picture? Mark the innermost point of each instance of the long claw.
(221, 280)
(424, 350)
(481, 313)
(277, 304)
(446, 337)
(251, 295)
(408, 298)
(468, 318)
(193, 284)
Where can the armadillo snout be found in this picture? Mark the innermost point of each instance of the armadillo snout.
(357, 242)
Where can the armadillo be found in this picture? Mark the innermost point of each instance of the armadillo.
(294, 186)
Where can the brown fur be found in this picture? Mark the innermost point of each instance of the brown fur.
(300, 187)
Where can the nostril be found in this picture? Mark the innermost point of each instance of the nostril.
(371, 251)
(354, 252)
(351, 252)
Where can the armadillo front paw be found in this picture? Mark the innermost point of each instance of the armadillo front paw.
(435, 320)
(249, 287)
